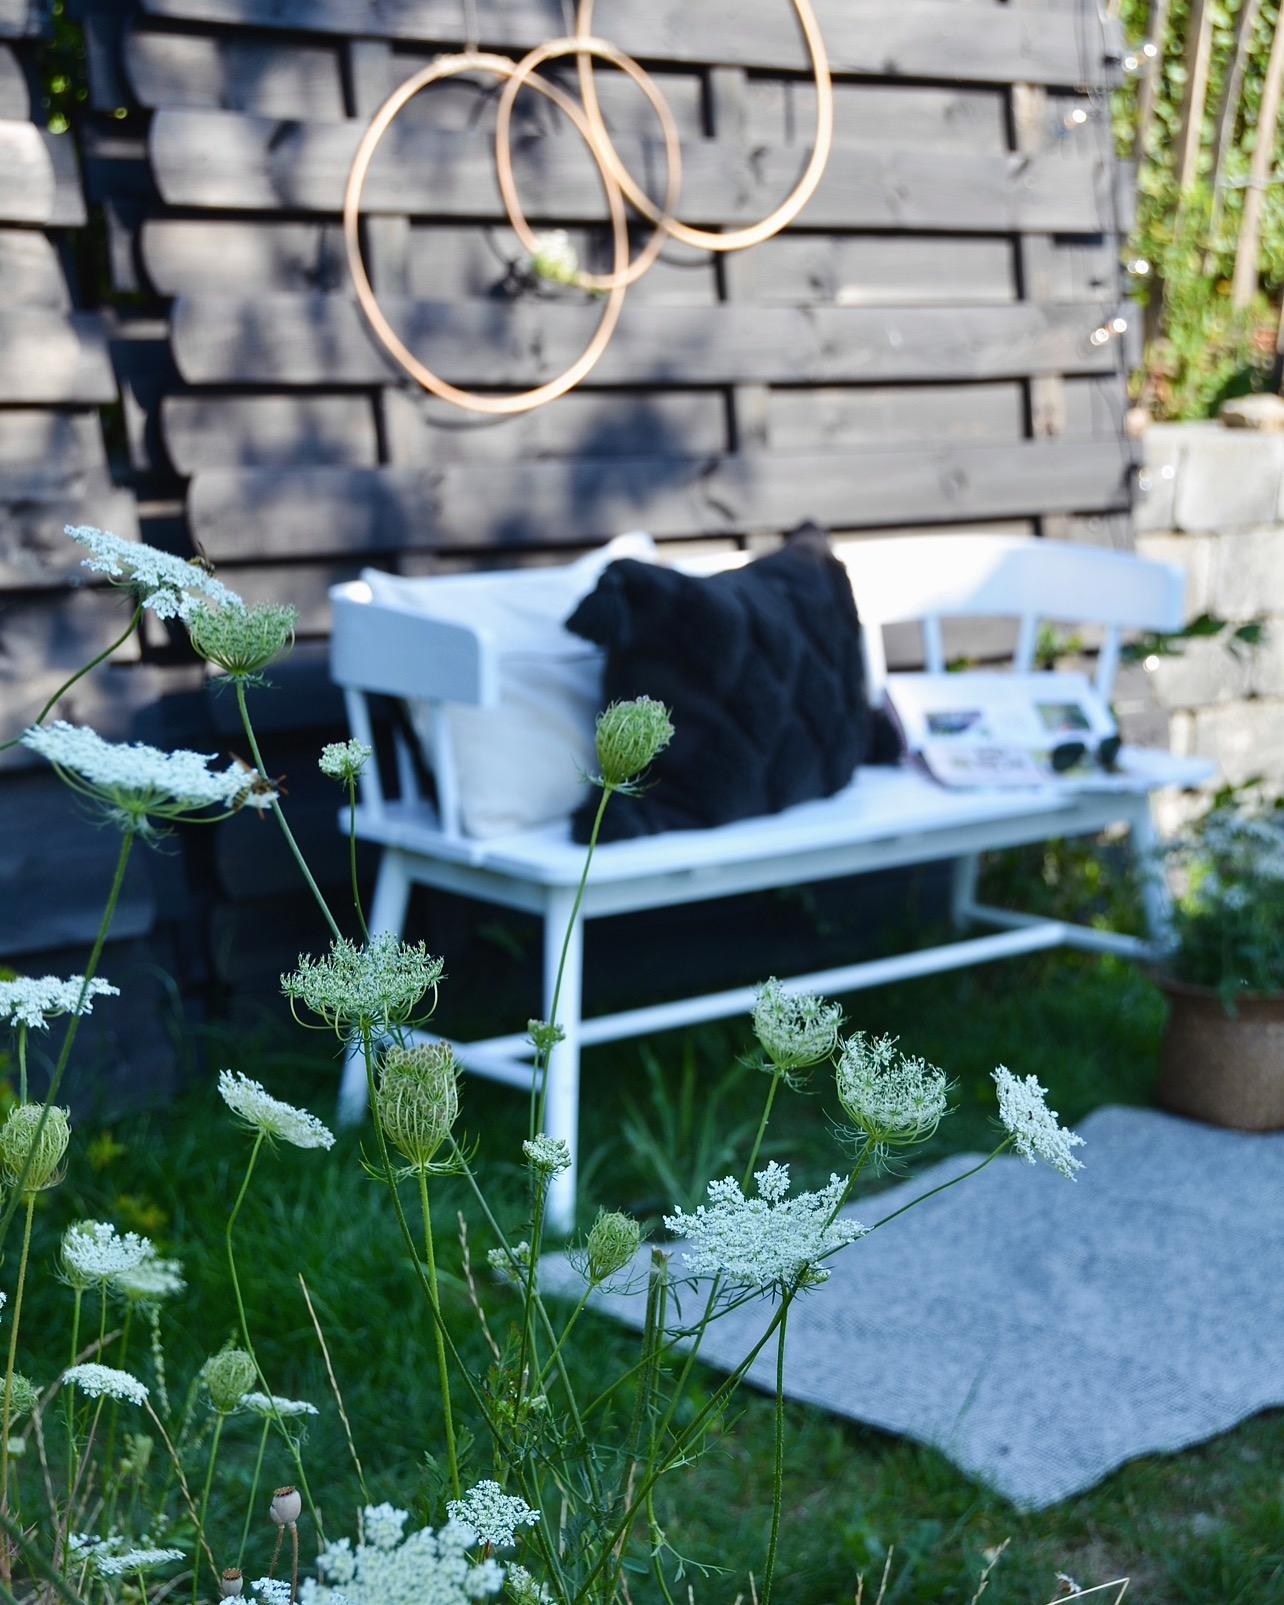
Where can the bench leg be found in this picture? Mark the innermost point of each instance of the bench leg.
(562, 1098)
(387, 913)
(963, 890)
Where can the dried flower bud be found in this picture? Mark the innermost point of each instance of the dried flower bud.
(241, 641)
(231, 1585)
(547, 1156)
(612, 1243)
(629, 736)
(228, 1376)
(418, 1100)
(24, 1145)
(286, 1506)
(544, 1037)
(24, 1395)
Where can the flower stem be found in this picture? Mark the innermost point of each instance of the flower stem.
(254, 1490)
(9, 1364)
(280, 817)
(69, 1392)
(79, 675)
(22, 1064)
(778, 1464)
(205, 1498)
(352, 858)
(452, 1457)
(776, 1076)
(69, 1036)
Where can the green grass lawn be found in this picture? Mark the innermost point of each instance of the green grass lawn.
(1205, 1526)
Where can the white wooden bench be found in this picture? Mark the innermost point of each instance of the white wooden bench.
(886, 818)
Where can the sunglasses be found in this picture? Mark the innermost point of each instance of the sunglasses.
(1066, 754)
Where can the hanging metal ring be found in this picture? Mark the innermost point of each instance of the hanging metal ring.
(521, 401)
(741, 239)
(553, 50)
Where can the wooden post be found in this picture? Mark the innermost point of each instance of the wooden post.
(1228, 111)
(1148, 90)
(1199, 51)
(1244, 282)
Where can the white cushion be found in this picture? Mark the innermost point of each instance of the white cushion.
(523, 763)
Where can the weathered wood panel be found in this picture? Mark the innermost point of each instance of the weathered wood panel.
(30, 273)
(318, 340)
(35, 554)
(15, 98)
(225, 159)
(46, 356)
(30, 186)
(799, 269)
(25, 19)
(267, 431)
(783, 111)
(878, 38)
(539, 503)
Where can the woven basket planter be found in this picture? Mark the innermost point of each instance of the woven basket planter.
(1223, 1069)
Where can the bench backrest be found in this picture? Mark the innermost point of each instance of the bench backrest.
(924, 579)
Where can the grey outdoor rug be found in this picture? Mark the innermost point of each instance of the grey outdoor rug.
(1040, 1332)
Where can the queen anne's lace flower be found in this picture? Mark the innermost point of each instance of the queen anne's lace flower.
(424, 1568)
(628, 737)
(137, 783)
(151, 1280)
(261, 1112)
(261, 1404)
(795, 1029)
(1024, 1111)
(272, 1590)
(33, 1144)
(129, 1562)
(33, 1001)
(169, 585)
(94, 1251)
(375, 987)
(344, 760)
(891, 1096)
(492, 1514)
(548, 1155)
(104, 1381)
(769, 1241)
(241, 641)
(555, 257)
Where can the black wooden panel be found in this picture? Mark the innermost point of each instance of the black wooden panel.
(347, 510)
(798, 419)
(15, 98)
(51, 357)
(68, 210)
(783, 111)
(272, 78)
(924, 39)
(34, 551)
(30, 273)
(30, 185)
(801, 269)
(265, 431)
(305, 586)
(223, 159)
(25, 19)
(319, 340)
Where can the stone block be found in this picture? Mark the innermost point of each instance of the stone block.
(1266, 662)
(1142, 719)
(1157, 479)
(1201, 674)
(1264, 413)
(1248, 573)
(1245, 740)
(1228, 479)
(1195, 555)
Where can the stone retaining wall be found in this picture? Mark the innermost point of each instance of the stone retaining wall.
(1212, 501)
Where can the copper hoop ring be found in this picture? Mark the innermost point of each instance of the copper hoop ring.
(740, 239)
(519, 401)
(581, 46)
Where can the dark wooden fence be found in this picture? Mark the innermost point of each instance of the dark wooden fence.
(916, 352)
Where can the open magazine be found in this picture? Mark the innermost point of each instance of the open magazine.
(996, 729)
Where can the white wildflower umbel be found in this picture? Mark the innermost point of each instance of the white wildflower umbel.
(547, 1156)
(344, 760)
(377, 987)
(795, 1029)
(612, 1242)
(241, 641)
(555, 257)
(105, 1382)
(492, 1514)
(629, 736)
(772, 1241)
(894, 1098)
(137, 784)
(170, 586)
(152, 1280)
(260, 1112)
(385, 1568)
(227, 1376)
(1035, 1131)
(129, 1562)
(33, 1144)
(417, 1100)
(35, 1000)
(94, 1252)
(273, 1406)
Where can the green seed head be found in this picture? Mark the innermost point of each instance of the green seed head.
(629, 736)
(228, 1376)
(612, 1243)
(24, 1145)
(418, 1100)
(242, 642)
(24, 1396)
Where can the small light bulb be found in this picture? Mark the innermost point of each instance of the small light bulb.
(1119, 325)
(1149, 50)
(1151, 664)
(1098, 337)
(1139, 267)
(1144, 482)
(1168, 471)
(1077, 118)
(1130, 64)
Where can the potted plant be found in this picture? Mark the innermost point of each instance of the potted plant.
(1223, 1052)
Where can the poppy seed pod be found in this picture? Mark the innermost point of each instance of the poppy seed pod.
(231, 1585)
(286, 1506)
(24, 1144)
(418, 1100)
(612, 1243)
(228, 1376)
(629, 736)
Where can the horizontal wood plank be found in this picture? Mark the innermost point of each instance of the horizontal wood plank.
(30, 185)
(322, 340)
(495, 505)
(15, 97)
(30, 272)
(34, 552)
(51, 357)
(805, 269)
(228, 160)
(267, 431)
(907, 117)
(25, 19)
(984, 43)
